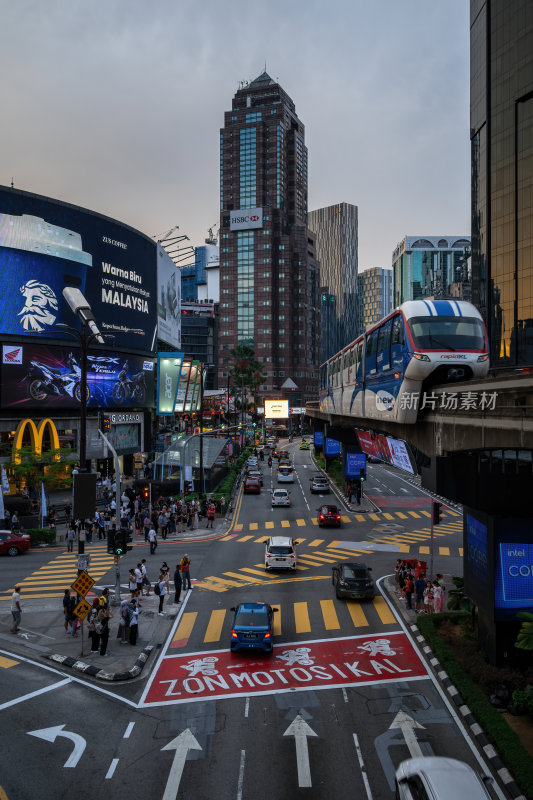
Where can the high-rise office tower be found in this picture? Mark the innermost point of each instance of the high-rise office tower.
(375, 296)
(269, 275)
(501, 126)
(336, 249)
(426, 266)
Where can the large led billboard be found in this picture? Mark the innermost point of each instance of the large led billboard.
(41, 376)
(46, 245)
(277, 409)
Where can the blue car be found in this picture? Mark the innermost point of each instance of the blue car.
(252, 627)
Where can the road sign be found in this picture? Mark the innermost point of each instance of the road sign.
(83, 584)
(82, 609)
(137, 460)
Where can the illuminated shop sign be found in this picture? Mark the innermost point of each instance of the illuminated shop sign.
(245, 219)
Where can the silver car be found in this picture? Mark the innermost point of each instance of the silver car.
(440, 778)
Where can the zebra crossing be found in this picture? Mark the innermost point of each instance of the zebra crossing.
(385, 516)
(329, 553)
(52, 578)
(291, 619)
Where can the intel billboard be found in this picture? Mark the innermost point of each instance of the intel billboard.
(46, 245)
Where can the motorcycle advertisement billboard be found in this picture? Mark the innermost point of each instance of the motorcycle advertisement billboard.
(46, 245)
(44, 376)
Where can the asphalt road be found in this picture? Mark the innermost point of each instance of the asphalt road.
(343, 699)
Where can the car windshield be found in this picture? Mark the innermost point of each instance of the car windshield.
(280, 550)
(280, 494)
(285, 470)
(328, 510)
(354, 573)
(447, 333)
(250, 618)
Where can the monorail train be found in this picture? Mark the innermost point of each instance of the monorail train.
(422, 343)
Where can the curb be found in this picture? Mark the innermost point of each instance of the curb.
(468, 718)
(100, 674)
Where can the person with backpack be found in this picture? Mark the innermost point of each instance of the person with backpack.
(133, 621)
(160, 588)
(92, 621)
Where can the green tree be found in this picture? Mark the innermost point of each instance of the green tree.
(246, 376)
(524, 639)
(49, 467)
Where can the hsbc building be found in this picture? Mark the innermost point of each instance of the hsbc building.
(246, 219)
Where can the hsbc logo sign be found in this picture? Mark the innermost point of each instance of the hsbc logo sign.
(246, 219)
(11, 355)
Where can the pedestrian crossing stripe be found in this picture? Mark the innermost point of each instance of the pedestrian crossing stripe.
(50, 580)
(5, 662)
(290, 619)
(241, 527)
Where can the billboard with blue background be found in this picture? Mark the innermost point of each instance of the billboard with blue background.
(353, 464)
(46, 245)
(332, 447)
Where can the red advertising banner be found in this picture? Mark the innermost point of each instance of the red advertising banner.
(325, 664)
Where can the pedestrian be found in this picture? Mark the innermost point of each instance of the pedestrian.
(104, 615)
(437, 597)
(71, 535)
(152, 536)
(223, 499)
(66, 604)
(162, 592)
(123, 632)
(132, 578)
(177, 584)
(145, 581)
(440, 581)
(139, 576)
(104, 598)
(210, 514)
(185, 565)
(196, 520)
(409, 589)
(184, 516)
(72, 618)
(428, 598)
(133, 621)
(147, 524)
(93, 621)
(16, 609)
(14, 521)
(420, 585)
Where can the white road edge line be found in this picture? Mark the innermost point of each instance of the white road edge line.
(25, 697)
(345, 694)
(72, 678)
(128, 730)
(246, 707)
(362, 766)
(112, 767)
(163, 653)
(241, 775)
(453, 713)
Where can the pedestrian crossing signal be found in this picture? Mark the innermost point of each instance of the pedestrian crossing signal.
(120, 544)
(362, 476)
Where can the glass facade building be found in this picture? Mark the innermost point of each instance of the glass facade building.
(426, 266)
(269, 274)
(501, 126)
(336, 229)
(375, 296)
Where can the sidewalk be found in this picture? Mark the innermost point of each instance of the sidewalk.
(43, 636)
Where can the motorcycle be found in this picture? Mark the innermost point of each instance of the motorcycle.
(133, 388)
(44, 381)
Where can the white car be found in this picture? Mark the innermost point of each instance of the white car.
(285, 474)
(280, 553)
(440, 778)
(281, 497)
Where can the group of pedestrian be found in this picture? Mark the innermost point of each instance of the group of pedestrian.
(182, 580)
(428, 594)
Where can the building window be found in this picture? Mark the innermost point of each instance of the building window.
(254, 116)
(281, 247)
(281, 331)
(266, 274)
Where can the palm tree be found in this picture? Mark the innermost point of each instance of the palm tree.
(246, 374)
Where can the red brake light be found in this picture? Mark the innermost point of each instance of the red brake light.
(268, 635)
(322, 516)
(234, 634)
(338, 516)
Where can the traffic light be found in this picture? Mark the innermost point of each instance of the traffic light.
(120, 543)
(127, 538)
(362, 476)
(105, 424)
(435, 516)
(146, 492)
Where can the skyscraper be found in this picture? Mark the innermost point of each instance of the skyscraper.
(501, 126)
(425, 266)
(269, 275)
(375, 296)
(336, 248)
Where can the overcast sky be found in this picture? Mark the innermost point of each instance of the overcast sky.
(116, 106)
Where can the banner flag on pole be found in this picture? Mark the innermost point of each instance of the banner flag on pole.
(5, 483)
(43, 502)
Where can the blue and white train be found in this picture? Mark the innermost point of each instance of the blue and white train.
(422, 343)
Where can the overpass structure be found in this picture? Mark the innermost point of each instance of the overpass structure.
(473, 443)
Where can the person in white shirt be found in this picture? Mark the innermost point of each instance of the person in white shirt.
(162, 592)
(152, 538)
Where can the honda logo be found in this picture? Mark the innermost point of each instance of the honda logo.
(12, 355)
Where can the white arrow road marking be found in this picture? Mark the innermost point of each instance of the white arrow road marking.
(51, 734)
(407, 726)
(404, 490)
(181, 744)
(301, 730)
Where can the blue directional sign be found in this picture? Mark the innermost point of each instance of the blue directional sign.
(319, 438)
(354, 463)
(332, 448)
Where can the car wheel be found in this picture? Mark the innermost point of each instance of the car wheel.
(13, 551)
(338, 595)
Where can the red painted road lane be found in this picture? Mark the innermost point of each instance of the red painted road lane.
(325, 664)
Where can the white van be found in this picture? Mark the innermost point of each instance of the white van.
(280, 553)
